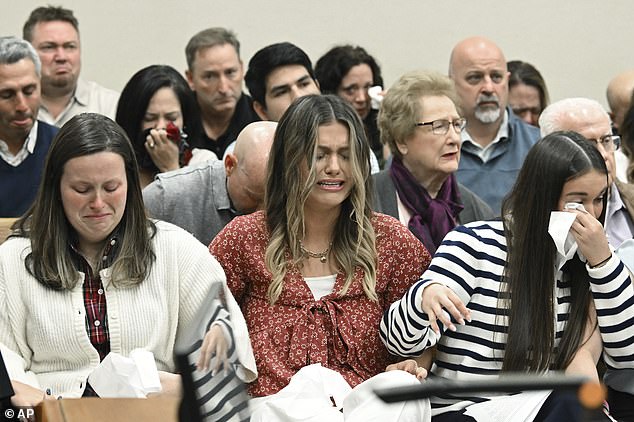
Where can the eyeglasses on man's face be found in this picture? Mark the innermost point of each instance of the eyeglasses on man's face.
(441, 126)
(608, 142)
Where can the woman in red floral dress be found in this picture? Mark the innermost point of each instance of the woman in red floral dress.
(315, 271)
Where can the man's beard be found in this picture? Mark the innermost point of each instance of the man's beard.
(64, 81)
(487, 114)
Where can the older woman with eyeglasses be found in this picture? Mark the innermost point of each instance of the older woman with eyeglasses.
(420, 122)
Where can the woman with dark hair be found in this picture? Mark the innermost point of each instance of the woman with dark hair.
(86, 272)
(349, 71)
(315, 271)
(528, 95)
(498, 297)
(158, 111)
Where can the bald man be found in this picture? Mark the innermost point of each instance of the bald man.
(619, 95)
(202, 199)
(589, 118)
(495, 141)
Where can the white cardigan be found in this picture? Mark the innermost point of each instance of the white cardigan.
(42, 331)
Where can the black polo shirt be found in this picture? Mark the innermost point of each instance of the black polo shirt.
(242, 116)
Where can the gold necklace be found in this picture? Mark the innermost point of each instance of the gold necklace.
(322, 256)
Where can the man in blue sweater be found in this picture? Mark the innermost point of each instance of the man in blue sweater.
(24, 141)
(495, 141)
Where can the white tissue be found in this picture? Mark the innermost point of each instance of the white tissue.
(118, 376)
(375, 96)
(306, 398)
(148, 372)
(559, 230)
(574, 206)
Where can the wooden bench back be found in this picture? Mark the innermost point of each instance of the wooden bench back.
(5, 227)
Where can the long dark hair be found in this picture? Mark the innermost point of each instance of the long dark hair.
(134, 101)
(530, 266)
(47, 226)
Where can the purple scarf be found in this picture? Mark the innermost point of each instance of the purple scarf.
(431, 218)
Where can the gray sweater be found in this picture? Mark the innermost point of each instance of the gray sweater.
(194, 198)
(385, 200)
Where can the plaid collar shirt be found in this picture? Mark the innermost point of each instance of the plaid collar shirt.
(95, 297)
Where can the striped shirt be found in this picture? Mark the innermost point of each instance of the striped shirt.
(471, 261)
(220, 396)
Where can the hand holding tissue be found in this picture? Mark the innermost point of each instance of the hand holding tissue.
(586, 237)
(559, 230)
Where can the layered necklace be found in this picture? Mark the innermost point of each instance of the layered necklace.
(322, 256)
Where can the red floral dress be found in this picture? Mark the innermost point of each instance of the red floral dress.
(340, 332)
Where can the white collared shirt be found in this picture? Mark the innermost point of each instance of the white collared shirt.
(27, 148)
(89, 97)
(485, 152)
(622, 162)
(618, 226)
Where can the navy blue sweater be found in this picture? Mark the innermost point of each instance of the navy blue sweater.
(18, 185)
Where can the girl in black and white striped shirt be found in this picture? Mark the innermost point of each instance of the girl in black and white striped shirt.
(495, 298)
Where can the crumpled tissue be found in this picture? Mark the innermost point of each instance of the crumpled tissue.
(314, 394)
(118, 376)
(559, 230)
(362, 404)
(376, 97)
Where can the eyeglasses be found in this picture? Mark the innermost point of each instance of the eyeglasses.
(608, 142)
(441, 126)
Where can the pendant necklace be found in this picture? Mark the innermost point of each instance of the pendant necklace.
(322, 256)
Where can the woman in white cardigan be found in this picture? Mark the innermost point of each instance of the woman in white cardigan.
(86, 272)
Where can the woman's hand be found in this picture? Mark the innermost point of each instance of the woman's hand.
(214, 344)
(171, 385)
(162, 151)
(410, 366)
(27, 396)
(436, 297)
(590, 237)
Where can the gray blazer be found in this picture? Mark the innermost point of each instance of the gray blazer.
(385, 200)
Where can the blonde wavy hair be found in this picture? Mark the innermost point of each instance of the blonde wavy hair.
(287, 189)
